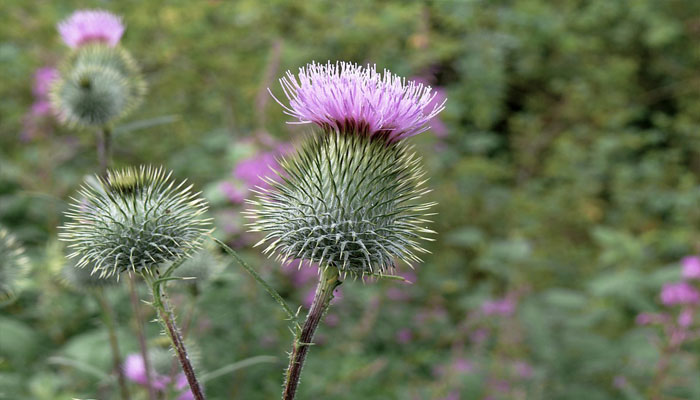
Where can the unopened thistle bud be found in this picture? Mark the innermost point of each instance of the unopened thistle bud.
(13, 265)
(91, 95)
(350, 197)
(134, 220)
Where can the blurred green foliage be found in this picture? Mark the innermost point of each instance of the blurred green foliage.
(570, 176)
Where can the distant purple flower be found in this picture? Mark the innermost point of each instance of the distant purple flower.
(504, 307)
(619, 381)
(135, 370)
(644, 319)
(182, 384)
(85, 26)
(462, 365)
(679, 293)
(691, 267)
(523, 369)
(351, 98)
(43, 78)
(300, 273)
(685, 318)
(253, 172)
(404, 336)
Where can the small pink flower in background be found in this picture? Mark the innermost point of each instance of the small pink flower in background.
(135, 370)
(644, 319)
(300, 273)
(619, 381)
(685, 318)
(504, 307)
(523, 369)
(679, 293)
(41, 108)
(43, 78)
(85, 26)
(691, 267)
(404, 336)
(351, 98)
(182, 384)
(462, 365)
(252, 172)
(479, 336)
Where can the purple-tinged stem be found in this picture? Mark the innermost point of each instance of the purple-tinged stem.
(327, 283)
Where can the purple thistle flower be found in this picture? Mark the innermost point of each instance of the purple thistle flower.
(691, 267)
(679, 293)
(182, 384)
(254, 172)
(350, 98)
(505, 307)
(86, 26)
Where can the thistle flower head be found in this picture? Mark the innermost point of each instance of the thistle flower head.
(346, 201)
(13, 265)
(350, 98)
(134, 220)
(43, 78)
(91, 95)
(87, 26)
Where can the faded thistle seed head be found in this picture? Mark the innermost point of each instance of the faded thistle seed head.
(134, 220)
(351, 197)
(13, 265)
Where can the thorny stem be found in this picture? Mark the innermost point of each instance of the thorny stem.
(327, 283)
(104, 149)
(108, 314)
(162, 305)
(138, 319)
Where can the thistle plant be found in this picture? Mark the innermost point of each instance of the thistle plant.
(13, 265)
(99, 81)
(139, 220)
(350, 198)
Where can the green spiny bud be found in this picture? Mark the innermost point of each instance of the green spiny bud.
(91, 95)
(134, 220)
(13, 265)
(202, 266)
(347, 201)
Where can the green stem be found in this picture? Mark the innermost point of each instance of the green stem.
(136, 309)
(162, 305)
(327, 283)
(104, 149)
(290, 314)
(109, 319)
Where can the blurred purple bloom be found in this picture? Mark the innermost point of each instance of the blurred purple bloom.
(253, 172)
(351, 98)
(182, 384)
(85, 26)
(644, 319)
(135, 370)
(523, 369)
(691, 267)
(300, 273)
(43, 78)
(462, 365)
(504, 307)
(679, 293)
(685, 318)
(619, 381)
(404, 336)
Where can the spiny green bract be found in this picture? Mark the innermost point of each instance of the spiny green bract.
(13, 265)
(346, 201)
(98, 85)
(134, 220)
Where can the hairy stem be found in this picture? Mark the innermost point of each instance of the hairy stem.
(138, 319)
(108, 314)
(104, 149)
(162, 304)
(327, 283)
